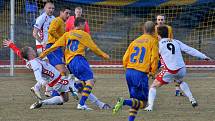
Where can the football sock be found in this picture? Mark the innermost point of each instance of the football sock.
(132, 114)
(85, 93)
(53, 101)
(94, 100)
(37, 86)
(185, 88)
(152, 95)
(134, 103)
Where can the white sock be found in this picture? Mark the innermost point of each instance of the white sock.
(53, 101)
(37, 86)
(152, 95)
(94, 100)
(185, 88)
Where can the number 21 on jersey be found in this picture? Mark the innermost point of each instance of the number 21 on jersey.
(138, 55)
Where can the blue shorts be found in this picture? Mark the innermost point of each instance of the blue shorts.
(56, 57)
(80, 68)
(137, 84)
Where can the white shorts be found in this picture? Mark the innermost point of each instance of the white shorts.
(166, 76)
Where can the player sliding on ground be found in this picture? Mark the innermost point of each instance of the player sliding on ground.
(75, 43)
(48, 71)
(174, 66)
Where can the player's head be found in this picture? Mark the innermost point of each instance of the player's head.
(149, 27)
(79, 23)
(49, 8)
(78, 12)
(28, 53)
(160, 19)
(163, 31)
(65, 13)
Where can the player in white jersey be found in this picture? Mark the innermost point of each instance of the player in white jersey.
(40, 31)
(47, 74)
(174, 66)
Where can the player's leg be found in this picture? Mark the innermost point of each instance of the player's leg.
(177, 89)
(185, 88)
(39, 47)
(138, 88)
(152, 94)
(56, 59)
(94, 100)
(159, 81)
(36, 90)
(56, 100)
(81, 69)
(62, 88)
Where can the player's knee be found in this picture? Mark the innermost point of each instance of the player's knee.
(90, 82)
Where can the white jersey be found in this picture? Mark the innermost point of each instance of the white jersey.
(42, 70)
(170, 52)
(42, 23)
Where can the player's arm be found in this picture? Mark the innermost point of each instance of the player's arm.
(154, 57)
(170, 32)
(126, 56)
(192, 51)
(53, 29)
(37, 68)
(88, 42)
(58, 43)
(87, 28)
(37, 27)
(11, 45)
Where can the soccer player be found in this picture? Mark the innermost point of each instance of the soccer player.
(75, 43)
(71, 20)
(55, 31)
(140, 58)
(40, 31)
(161, 22)
(93, 99)
(174, 66)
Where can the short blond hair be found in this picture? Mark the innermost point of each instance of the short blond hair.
(149, 27)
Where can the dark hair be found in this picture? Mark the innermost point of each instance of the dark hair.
(62, 9)
(78, 21)
(24, 52)
(163, 31)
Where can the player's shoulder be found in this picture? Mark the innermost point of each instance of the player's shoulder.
(34, 64)
(80, 33)
(43, 16)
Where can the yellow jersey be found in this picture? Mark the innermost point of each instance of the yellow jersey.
(170, 33)
(75, 43)
(56, 30)
(142, 54)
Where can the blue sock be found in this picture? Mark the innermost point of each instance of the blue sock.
(54, 93)
(127, 102)
(131, 118)
(85, 93)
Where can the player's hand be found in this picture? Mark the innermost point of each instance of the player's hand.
(6, 42)
(151, 75)
(208, 59)
(106, 56)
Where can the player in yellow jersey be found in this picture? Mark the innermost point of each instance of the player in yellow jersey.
(140, 58)
(56, 30)
(75, 43)
(161, 22)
